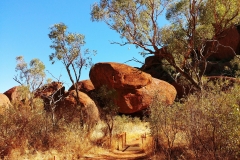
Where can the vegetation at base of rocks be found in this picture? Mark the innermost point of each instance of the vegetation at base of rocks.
(29, 134)
(108, 109)
(202, 126)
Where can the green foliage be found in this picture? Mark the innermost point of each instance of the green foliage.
(208, 123)
(212, 120)
(31, 76)
(221, 13)
(135, 21)
(235, 67)
(106, 98)
(68, 50)
(108, 109)
(165, 123)
(193, 24)
(67, 46)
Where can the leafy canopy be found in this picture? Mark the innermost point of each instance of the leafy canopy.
(134, 20)
(68, 50)
(31, 76)
(181, 44)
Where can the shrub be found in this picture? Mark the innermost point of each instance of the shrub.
(165, 123)
(25, 132)
(207, 122)
(212, 123)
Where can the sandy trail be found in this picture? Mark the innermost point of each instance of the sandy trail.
(132, 151)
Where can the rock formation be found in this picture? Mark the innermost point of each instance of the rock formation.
(14, 94)
(84, 86)
(68, 109)
(135, 89)
(4, 103)
(229, 41)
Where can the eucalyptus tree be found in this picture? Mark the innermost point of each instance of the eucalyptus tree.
(31, 77)
(68, 50)
(194, 33)
(180, 44)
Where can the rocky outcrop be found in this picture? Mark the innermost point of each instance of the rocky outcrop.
(50, 94)
(48, 89)
(14, 94)
(84, 86)
(4, 103)
(69, 110)
(229, 45)
(135, 89)
(220, 63)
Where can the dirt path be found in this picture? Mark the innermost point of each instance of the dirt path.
(132, 151)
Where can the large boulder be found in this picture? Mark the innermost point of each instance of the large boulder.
(118, 76)
(14, 94)
(135, 89)
(4, 103)
(48, 89)
(84, 86)
(229, 41)
(69, 110)
(50, 94)
(134, 100)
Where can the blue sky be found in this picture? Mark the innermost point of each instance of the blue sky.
(24, 28)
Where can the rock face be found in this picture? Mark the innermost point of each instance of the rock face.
(4, 103)
(84, 86)
(153, 66)
(13, 94)
(49, 89)
(118, 76)
(135, 89)
(68, 109)
(50, 94)
(230, 41)
(217, 64)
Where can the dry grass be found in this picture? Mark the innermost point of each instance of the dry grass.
(32, 136)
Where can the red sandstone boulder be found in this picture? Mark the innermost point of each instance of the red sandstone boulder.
(135, 89)
(118, 76)
(134, 100)
(230, 41)
(50, 94)
(48, 89)
(84, 86)
(4, 103)
(68, 109)
(14, 94)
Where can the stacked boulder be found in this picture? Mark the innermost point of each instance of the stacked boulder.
(135, 92)
(135, 89)
(65, 105)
